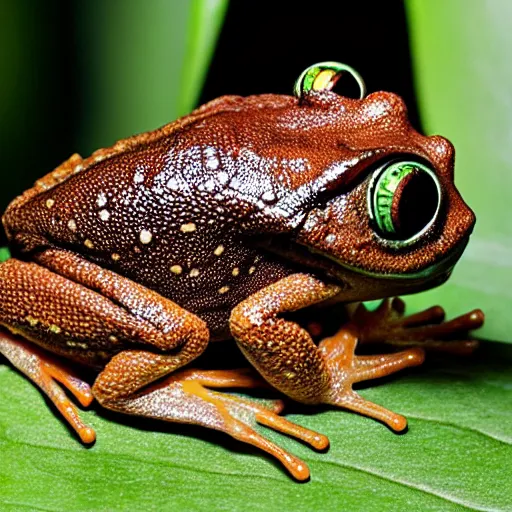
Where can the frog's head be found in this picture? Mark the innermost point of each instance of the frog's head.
(390, 217)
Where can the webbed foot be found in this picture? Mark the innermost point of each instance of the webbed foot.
(428, 329)
(186, 397)
(345, 369)
(50, 374)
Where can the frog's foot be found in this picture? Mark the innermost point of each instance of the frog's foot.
(345, 368)
(388, 324)
(185, 397)
(46, 372)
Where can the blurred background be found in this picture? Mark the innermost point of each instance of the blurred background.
(76, 76)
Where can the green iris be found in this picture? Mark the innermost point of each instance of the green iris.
(404, 200)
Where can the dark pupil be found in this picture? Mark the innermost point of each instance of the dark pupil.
(414, 203)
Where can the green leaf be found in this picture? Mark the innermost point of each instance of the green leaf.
(146, 62)
(454, 457)
(5, 254)
(205, 21)
(461, 56)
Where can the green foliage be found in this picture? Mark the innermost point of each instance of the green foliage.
(461, 55)
(5, 254)
(454, 456)
(146, 63)
(204, 24)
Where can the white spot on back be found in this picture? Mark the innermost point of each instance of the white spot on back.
(268, 196)
(219, 250)
(138, 177)
(104, 214)
(145, 236)
(173, 184)
(209, 185)
(176, 269)
(49, 203)
(71, 225)
(102, 199)
(235, 183)
(223, 177)
(188, 228)
(212, 163)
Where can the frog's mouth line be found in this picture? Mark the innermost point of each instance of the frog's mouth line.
(439, 270)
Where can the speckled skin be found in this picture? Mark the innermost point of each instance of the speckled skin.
(213, 226)
(238, 170)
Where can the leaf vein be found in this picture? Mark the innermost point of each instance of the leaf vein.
(506, 441)
(417, 487)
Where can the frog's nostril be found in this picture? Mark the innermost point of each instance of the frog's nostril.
(404, 199)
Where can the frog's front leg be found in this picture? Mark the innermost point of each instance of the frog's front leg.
(286, 356)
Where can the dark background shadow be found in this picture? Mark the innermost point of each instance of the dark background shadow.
(284, 40)
(275, 36)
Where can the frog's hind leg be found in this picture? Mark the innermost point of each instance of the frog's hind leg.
(94, 316)
(87, 316)
(47, 373)
(245, 378)
(186, 397)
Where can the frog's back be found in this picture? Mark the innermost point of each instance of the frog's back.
(173, 215)
(179, 209)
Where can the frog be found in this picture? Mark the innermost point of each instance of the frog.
(234, 223)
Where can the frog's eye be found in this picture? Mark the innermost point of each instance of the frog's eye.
(404, 199)
(323, 76)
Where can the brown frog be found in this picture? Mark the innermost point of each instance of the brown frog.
(213, 227)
